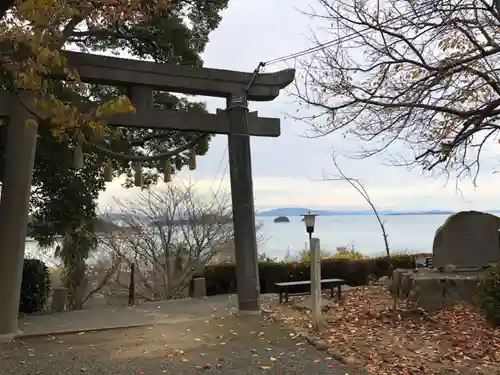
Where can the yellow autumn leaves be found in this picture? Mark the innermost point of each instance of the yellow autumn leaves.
(44, 12)
(32, 38)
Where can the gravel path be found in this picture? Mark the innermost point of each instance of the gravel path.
(228, 345)
(161, 312)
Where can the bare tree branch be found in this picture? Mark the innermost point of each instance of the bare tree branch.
(169, 234)
(420, 74)
(360, 188)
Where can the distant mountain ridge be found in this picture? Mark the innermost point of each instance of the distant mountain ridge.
(298, 211)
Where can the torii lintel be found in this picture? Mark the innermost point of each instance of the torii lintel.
(115, 71)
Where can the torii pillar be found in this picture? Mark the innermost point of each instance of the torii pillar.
(245, 241)
(14, 206)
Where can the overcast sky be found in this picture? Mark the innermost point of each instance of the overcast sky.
(286, 169)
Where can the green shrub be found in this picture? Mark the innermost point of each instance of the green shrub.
(305, 255)
(221, 279)
(488, 294)
(347, 253)
(35, 287)
(343, 252)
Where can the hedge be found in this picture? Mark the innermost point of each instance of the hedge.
(221, 278)
(35, 287)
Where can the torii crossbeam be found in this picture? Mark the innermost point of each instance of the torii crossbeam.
(141, 78)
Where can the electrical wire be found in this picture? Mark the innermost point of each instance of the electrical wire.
(220, 164)
(221, 179)
(218, 169)
(247, 89)
(342, 39)
(254, 75)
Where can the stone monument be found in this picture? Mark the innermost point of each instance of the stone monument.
(467, 239)
(463, 246)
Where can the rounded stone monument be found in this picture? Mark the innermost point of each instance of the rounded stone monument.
(467, 239)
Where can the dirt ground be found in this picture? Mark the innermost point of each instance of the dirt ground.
(226, 345)
(363, 327)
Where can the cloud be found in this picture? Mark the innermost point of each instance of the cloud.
(290, 191)
(259, 30)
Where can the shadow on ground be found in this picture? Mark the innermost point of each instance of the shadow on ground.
(221, 345)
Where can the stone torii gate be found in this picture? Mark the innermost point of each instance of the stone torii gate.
(142, 78)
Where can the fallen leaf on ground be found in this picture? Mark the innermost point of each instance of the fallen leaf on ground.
(363, 330)
(206, 366)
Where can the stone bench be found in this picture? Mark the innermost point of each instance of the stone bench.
(284, 288)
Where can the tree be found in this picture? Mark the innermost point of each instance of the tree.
(32, 46)
(424, 74)
(168, 234)
(5, 5)
(64, 197)
(360, 188)
(33, 34)
(63, 204)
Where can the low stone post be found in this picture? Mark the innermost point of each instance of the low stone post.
(200, 287)
(315, 257)
(131, 286)
(59, 298)
(397, 276)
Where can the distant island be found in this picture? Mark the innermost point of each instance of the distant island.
(298, 211)
(282, 219)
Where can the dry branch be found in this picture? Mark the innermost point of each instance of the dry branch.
(360, 188)
(423, 75)
(168, 234)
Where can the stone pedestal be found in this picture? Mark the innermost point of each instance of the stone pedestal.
(59, 299)
(200, 287)
(432, 290)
